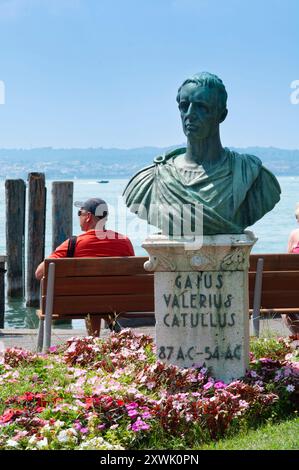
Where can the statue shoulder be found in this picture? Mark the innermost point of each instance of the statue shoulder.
(245, 159)
(161, 159)
(265, 176)
(141, 180)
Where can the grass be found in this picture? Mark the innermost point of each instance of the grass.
(282, 436)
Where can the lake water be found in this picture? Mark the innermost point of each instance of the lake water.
(272, 231)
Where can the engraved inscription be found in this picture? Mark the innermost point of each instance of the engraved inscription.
(199, 318)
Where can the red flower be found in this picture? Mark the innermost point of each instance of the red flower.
(9, 415)
(39, 409)
(26, 397)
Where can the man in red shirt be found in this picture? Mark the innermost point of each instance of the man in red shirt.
(95, 242)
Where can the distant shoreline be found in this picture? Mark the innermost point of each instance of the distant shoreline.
(115, 163)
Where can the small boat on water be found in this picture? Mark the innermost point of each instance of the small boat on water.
(103, 181)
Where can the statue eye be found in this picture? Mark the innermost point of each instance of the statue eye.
(184, 105)
(203, 107)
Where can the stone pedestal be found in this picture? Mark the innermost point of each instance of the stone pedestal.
(201, 301)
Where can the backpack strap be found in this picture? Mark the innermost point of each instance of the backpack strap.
(71, 247)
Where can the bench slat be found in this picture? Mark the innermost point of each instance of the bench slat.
(116, 266)
(278, 299)
(277, 280)
(102, 304)
(110, 285)
(276, 262)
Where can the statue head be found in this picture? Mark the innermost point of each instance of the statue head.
(202, 103)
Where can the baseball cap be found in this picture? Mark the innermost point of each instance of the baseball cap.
(96, 206)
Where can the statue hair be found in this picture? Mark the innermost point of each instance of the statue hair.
(206, 79)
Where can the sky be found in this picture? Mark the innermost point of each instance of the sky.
(102, 73)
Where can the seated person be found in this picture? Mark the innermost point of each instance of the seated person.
(292, 321)
(293, 243)
(95, 242)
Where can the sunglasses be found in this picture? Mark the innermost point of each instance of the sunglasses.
(82, 213)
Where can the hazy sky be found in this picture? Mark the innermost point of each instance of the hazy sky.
(89, 73)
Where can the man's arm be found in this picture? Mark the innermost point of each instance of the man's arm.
(40, 271)
(60, 252)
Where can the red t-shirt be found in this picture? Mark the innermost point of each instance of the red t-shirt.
(93, 244)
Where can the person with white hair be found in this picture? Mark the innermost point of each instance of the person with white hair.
(292, 321)
(293, 243)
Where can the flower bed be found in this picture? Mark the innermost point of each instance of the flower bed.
(113, 394)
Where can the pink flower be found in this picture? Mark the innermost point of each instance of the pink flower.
(219, 384)
(139, 425)
(132, 406)
(146, 415)
(208, 385)
(132, 413)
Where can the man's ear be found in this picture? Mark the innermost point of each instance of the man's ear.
(223, 115)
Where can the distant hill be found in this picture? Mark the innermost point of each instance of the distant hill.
(116, 163)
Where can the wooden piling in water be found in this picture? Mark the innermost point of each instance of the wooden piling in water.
(36, 234)
(62, 211)
(62, 218)
(15, 196)
(2, 290)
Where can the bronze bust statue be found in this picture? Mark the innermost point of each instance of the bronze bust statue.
(233, 190)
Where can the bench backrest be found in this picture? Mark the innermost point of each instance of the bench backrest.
(120, 284)
(280, 285)
(100, 285)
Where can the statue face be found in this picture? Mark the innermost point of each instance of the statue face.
(199, 112)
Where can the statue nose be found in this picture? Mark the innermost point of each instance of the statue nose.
(190, 109)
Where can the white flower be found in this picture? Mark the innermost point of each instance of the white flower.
(243, 404)
(42, 444)
(32, 440)
(46, 428)
(58, 424)
(98, 443)
(67, 435)
(12, 443)
(63, 436)
(290, 388)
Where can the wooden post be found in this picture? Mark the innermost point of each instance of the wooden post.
(49, 308)
(2, 291)
(15, 195)
(62, 211)
(36, 233)
(62, 219)
(256, 315)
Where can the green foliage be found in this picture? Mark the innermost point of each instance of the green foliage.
(270, 348)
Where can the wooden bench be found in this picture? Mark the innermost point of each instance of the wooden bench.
(76, 287)
(277, 286)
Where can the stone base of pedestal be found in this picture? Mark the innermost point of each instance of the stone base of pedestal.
(201, 302)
